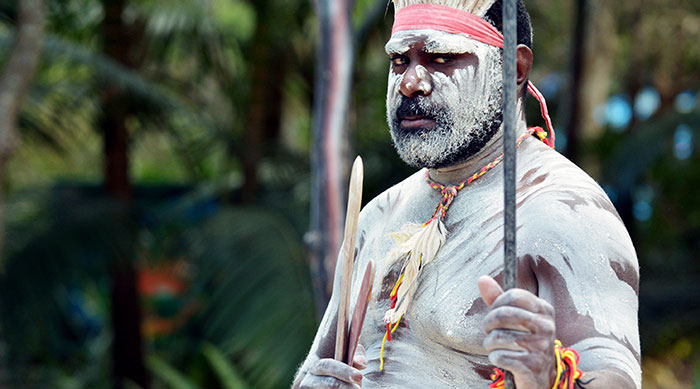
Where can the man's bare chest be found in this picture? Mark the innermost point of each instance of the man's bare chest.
(446, 308)
(441, 332)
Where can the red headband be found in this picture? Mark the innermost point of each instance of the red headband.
(455, 21)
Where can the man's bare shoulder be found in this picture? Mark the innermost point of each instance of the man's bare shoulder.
(563, 209)
(547, 175)
(557, 193)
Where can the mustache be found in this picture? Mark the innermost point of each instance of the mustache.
(416, 106)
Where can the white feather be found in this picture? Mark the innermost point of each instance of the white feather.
(417, 246)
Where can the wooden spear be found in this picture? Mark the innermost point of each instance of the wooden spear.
(510, 275)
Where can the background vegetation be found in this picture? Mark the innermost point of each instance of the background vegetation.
(156, 205)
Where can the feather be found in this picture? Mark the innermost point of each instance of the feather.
(417, 246)
(477, 7)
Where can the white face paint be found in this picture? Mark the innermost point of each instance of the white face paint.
(435, 42)
(466, 105)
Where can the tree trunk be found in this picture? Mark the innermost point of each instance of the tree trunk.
(16, 80)
(597, 75)
(14, 86)
(331, 98)
(578, 55)
(119, 42)
(265, 110)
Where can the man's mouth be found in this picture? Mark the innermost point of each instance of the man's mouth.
(416, 121)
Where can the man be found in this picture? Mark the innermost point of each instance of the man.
(450, 325)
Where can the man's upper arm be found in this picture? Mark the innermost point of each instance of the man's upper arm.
(586, 267)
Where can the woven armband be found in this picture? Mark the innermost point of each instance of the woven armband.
(568, 373)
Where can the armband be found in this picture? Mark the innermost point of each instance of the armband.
(568, 373)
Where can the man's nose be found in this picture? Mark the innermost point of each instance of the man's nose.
(416, 81)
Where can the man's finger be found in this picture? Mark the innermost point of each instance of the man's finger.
(505, 340)
(489, 289)
(509, 360)
(332, 368)
(518, 319)
(524, 299)
(360, 360)
(516, 341)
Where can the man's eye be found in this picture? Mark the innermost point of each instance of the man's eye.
(398, 60)
(442, 60)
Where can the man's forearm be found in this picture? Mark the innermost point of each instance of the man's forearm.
(323, 347)
(608, 378)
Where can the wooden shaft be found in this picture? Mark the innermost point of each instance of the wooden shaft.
(348, 256)
(510, 279)
(360, 311)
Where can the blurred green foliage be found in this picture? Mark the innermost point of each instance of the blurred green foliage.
(244, 316)
(247, 295)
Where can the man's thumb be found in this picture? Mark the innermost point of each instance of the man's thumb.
(489, 289)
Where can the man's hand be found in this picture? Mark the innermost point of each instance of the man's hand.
(329, 373)
(519, 334)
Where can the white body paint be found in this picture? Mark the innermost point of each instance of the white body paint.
(436, 42)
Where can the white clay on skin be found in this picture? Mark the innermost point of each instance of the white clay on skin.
(436, 42)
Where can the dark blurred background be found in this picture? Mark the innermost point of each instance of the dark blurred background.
(157, 185)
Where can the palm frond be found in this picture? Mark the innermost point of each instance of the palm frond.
(258, 306)
(168, 374)
(226, 372)
(65, 98)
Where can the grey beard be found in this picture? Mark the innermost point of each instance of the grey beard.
(447, 143)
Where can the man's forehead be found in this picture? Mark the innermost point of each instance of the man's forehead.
(433, 41)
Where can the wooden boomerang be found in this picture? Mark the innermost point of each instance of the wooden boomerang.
(351, 218)
(358, 316)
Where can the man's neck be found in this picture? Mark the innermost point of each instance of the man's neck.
(457, 173)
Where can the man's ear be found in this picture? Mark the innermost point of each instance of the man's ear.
(524, 55)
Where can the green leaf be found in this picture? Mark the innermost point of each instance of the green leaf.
(168, 374)
(226, 372)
